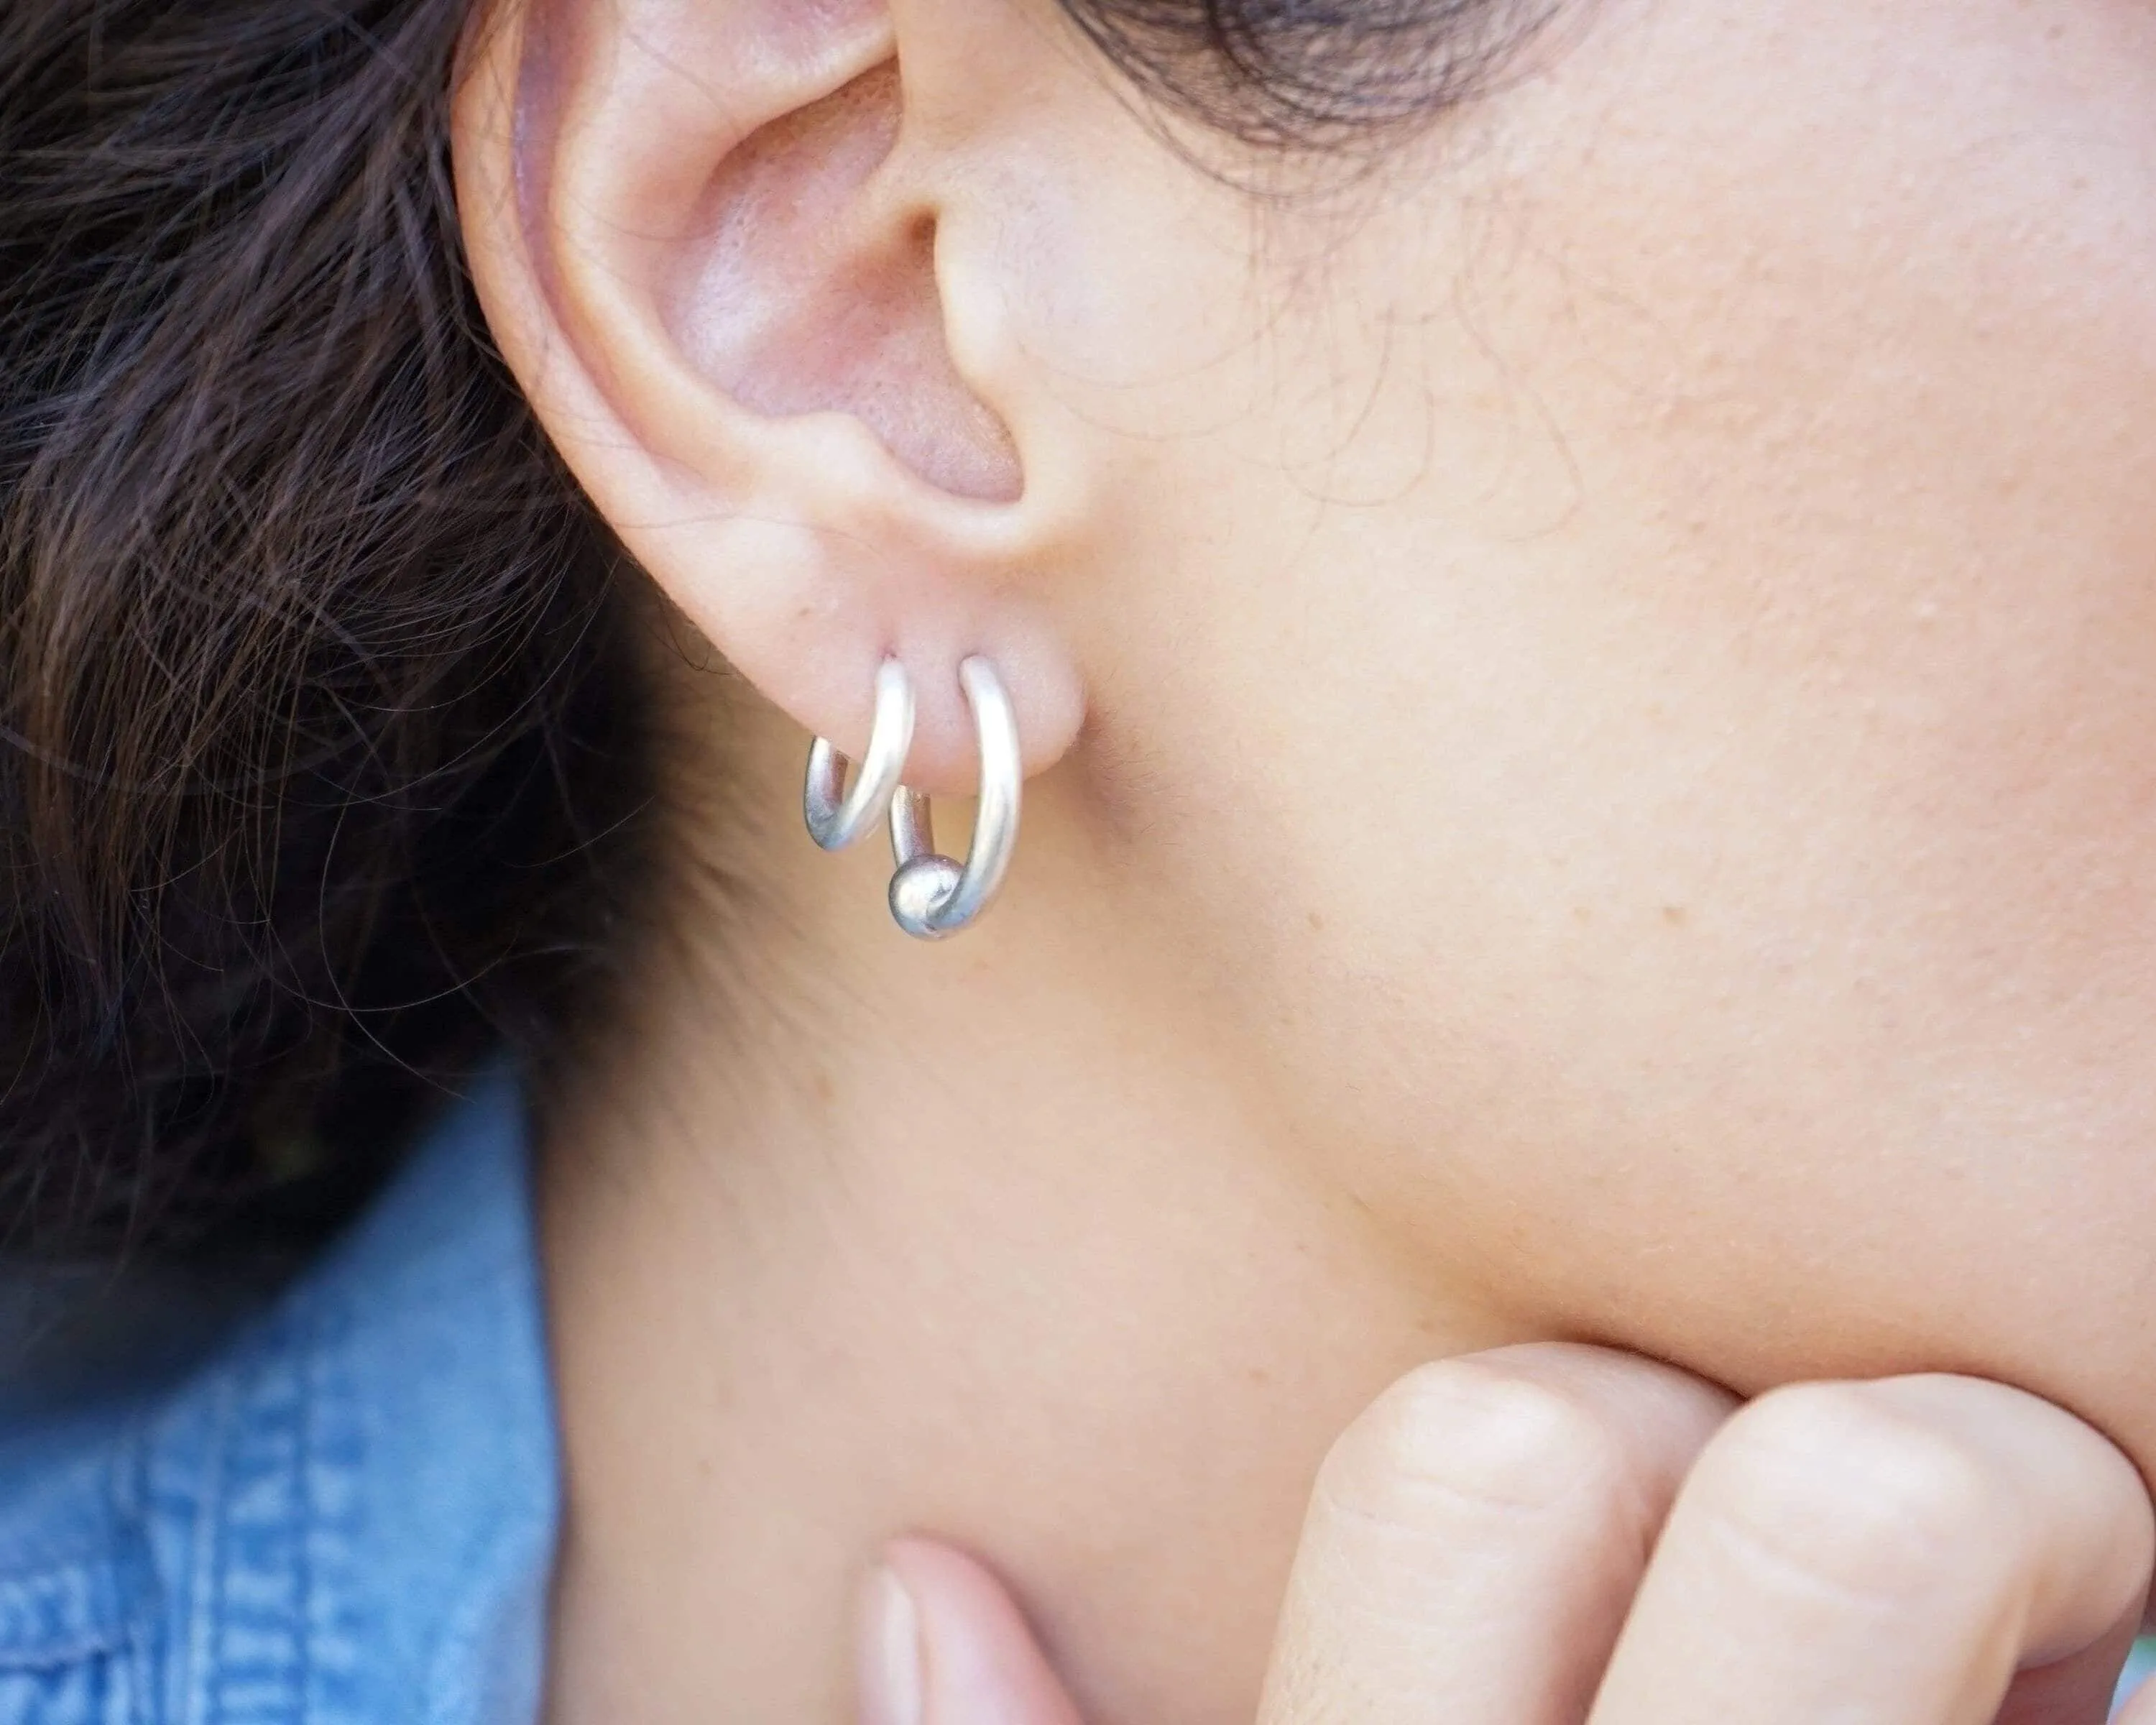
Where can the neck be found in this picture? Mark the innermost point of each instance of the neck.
(850, 1237)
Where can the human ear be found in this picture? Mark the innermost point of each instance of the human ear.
(741, 255)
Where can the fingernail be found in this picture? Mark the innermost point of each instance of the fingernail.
(889, 1653)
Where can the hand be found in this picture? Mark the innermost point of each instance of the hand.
(1558, 1535)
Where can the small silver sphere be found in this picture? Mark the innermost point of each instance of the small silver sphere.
(920, 889)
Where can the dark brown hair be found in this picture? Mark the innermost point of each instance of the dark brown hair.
(1309, 74)
(320, 758)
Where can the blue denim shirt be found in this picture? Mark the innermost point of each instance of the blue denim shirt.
(344, 1516)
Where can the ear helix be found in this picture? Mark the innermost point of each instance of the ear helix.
(932, 896)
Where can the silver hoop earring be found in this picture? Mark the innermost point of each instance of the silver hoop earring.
(930, 895)
(835, 824)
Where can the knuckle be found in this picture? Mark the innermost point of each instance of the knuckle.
(1831, 1482)
(1463, 1435)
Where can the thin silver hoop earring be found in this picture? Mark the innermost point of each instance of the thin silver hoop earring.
(835, 824)
(930, 895)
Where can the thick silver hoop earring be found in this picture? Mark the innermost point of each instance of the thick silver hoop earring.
(930, 895)
(835, 824)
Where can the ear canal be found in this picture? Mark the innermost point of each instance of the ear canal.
(802, 291)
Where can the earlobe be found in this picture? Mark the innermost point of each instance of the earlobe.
(707, 245)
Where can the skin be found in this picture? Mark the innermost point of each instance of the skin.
(1586, 688)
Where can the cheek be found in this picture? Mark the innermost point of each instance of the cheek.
(1664, 763)
(1877, 639)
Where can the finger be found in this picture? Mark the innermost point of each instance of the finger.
(942, 1643)
(1885, 1553)
(2076, 1690)
(1476, 1536)
(2140, 1708)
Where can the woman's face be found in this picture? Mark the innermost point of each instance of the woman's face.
(1627, 671)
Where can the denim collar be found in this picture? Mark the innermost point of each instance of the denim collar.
(345, 1516)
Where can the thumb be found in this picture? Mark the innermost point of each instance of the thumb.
(941, 1643)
